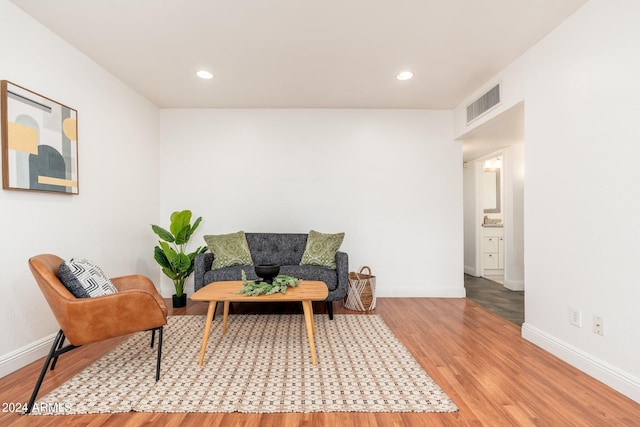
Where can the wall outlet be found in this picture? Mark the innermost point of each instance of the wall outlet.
(598, 325)
(575, 316)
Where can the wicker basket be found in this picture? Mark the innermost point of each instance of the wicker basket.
(361, 295)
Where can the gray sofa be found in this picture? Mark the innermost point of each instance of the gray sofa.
(285, 249)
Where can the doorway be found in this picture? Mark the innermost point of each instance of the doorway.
(490, 200)
(494, 228)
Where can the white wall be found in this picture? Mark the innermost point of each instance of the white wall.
(390, 179)
(471, 220)
(581, 91)
(108, 221)
(513, 211)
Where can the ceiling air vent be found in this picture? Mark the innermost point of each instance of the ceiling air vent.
(483, 104)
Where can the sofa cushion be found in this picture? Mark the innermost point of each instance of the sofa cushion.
(312, 272)
(84, 279)
(276, 248)
(229, 249)
(229, 273)
(321, 249)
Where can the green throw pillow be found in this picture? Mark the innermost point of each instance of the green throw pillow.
(321, 249)
(229, 249)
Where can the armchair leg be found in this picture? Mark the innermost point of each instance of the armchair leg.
(159, 351)
(330, 309)
(56, 350)
(55, 358)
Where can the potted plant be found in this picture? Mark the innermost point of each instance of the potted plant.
(171, 253)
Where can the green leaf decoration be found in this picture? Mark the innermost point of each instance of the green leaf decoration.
(170, 253)
(160, 257)
(181, 236)
(170, 274)
(179, 221)
(183, 262)
(259, 287)
(163, 234)
(195, 225)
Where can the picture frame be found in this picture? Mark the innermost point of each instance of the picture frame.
(39, 142)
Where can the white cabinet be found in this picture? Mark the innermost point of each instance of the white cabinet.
(493, 250)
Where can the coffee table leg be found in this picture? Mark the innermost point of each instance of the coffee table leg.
(225, 316)
(313, 321)
(308, 319)
(207, 329)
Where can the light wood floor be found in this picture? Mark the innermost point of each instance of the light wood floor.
(479, 359)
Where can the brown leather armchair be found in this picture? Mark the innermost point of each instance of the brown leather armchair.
(136, 307)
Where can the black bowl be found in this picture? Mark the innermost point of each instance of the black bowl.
(267, 271)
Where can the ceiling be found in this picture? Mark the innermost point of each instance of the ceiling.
(302, 54)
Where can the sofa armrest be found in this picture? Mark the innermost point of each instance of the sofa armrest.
(202, 264)
(342, 269)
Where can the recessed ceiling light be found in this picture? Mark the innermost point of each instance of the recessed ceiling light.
(405, 75)
(203, 74)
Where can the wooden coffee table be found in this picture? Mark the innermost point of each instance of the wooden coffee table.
(227, 292)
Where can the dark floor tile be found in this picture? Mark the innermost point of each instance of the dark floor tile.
(495, 297)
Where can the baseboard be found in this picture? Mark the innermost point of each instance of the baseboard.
(169, 292)
(612, 376)
(21, 357)
(514, 285)
(471, 271)
(421, 293)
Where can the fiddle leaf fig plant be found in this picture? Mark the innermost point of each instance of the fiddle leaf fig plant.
(171, 252)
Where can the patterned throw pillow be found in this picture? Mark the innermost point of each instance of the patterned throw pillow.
(229, 250)
(84, 279)
(321, 249)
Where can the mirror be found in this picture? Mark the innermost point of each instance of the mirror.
(491, 190)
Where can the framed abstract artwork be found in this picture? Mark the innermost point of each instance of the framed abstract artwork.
(39, 142)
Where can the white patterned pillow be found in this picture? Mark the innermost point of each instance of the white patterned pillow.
(84, 279)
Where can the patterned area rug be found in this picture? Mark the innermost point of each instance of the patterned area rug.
(261, 365)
